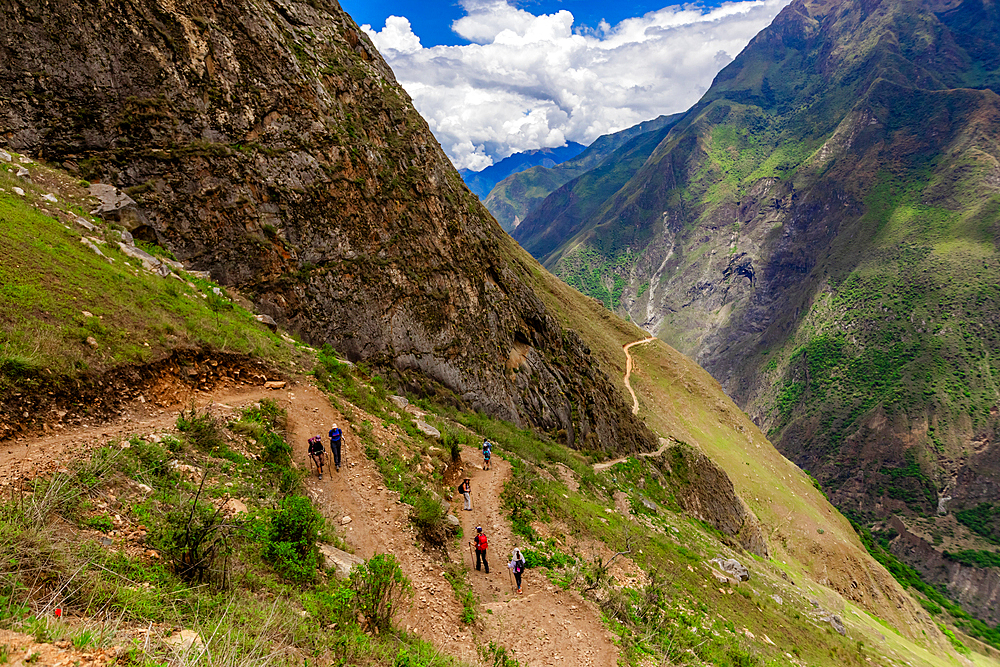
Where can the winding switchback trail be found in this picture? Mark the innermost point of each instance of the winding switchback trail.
(628, 370)
(635, 404)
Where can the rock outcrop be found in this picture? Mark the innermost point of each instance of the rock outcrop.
(268, 144)
(705, 492)
(976, 589)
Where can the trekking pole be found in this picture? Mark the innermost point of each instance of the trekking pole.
(510, 578)
(472, 556)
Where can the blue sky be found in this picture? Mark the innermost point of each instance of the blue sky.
(431, 20)
(494, 77)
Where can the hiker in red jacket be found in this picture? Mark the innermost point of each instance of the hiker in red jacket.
(479, 542)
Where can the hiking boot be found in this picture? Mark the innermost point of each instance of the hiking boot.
(321, 476)
(338, 468)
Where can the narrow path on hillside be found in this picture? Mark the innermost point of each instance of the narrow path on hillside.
(664, 443)
(544, 625)
(628, 370)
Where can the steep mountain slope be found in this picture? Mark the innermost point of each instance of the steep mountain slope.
(481, 182)
(820, 233)
(564, 350)
(514, 197)
(269, 144)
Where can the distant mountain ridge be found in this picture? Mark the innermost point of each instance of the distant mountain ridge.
(515, 196)
(481, 182)
(820, 231)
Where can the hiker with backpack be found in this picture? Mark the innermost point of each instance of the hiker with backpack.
(317, 453)
(336, 436)
(465, 488)
(517, 566)
(487, 451)
(479, 542)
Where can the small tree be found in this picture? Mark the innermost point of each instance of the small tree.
(379, 587)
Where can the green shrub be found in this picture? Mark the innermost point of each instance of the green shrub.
(101, 522)
(274, 449)
(975, 558)
(333, 603)
(196, 538)
(380, 587)
(495, 655)
(291, 539)
(202, 431)
(428, 515)
(455, 574)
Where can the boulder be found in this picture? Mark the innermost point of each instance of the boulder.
(236, 506)
(267, 321)
(399, 402)
(185, 641)
(51, 198)
(5, 156)
(274, 384)
(86, 224)
(426, 428)
(149, 262)
(649, 504)
(732, 567)
(343, 561)
(125, 237)
(24, 174)
(452, 520)
(837, 623)
(18, 191)
(116, 206)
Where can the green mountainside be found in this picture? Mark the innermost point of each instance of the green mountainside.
(820, 233)
(203, 502)
(167, 172)
(515, 196)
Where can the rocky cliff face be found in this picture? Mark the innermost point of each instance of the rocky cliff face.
(268, 143)
(975, 588)
(820, 233)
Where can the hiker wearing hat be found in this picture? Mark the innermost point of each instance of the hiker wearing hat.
(317, 453)
(335, 438)
(465, 488)
(479, 542)
(517, 566)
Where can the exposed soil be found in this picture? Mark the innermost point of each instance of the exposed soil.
(543, 626)
(628, 370)
(24, 650)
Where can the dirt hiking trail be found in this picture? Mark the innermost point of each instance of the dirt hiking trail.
(628, 370)
(629, 365)
(543, 626)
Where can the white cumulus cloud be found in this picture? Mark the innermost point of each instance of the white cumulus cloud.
(530, 81)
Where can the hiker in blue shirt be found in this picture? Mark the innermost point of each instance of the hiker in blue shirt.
(336, 436)
(487, 451)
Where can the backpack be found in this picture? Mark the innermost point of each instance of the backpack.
(480, 542)
(518, 566)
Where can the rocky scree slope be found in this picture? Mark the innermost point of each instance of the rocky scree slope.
(820, 233)
(268, 143)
